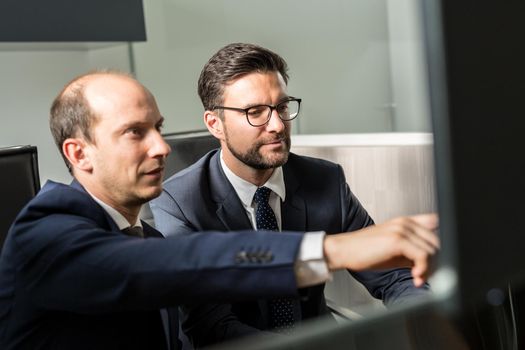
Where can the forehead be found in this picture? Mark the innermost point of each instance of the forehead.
(256, 86)
(114, 96)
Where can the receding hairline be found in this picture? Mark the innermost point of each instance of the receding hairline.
(81, 82)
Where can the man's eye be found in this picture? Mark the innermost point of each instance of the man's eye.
(283, 107)
(257, 111)
(134, 131)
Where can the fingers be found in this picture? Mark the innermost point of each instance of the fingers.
(413, 244)
(420, 260)
(418, 230)
(401, 242)
(421, 235)
(429, 221)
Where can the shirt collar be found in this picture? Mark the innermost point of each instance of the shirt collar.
(119, 219)
(246, 190)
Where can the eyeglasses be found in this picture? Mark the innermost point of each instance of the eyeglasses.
(260, 115)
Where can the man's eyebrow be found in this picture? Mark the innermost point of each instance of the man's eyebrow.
(138, 123)
(132, 124)
(281, 99)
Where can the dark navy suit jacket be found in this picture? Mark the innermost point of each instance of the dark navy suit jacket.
(69, 279)
(317, 199)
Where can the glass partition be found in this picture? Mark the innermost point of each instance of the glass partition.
(357, 65)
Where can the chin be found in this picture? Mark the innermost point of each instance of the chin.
(277, 160)
(150, 194)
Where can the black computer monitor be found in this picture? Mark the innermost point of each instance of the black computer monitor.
(19, 182)
(476, 57)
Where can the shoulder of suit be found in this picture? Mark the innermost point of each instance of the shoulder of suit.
(57, 198)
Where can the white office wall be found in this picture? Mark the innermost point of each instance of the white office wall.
(29, 81)
(410, 99)
(337, 51)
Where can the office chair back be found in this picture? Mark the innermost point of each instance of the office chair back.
(186, 149)
(19, 182)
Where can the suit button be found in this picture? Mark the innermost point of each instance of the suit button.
(241, 257)
(267, 256)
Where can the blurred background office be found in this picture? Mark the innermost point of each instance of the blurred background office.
(357, 65)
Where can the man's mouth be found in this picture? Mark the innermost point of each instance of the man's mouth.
(275, 141)
(155, 171)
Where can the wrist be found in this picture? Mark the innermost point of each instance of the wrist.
(332, 252)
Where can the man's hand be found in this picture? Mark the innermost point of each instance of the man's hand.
(401, 242)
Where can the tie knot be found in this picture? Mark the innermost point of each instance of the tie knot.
(261, 195)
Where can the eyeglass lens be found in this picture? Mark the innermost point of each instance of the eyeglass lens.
(259, 115)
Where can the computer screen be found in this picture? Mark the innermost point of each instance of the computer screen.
(476, 57)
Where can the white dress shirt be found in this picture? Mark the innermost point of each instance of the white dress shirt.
(310, 266)
(119, 219)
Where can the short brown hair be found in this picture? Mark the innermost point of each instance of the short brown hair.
(231, 62)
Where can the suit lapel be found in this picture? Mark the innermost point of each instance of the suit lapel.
(293, 214)
(229, 207)
(293, 209)
(99, 215)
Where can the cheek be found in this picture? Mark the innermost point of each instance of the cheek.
(123, 164)
(243, 134)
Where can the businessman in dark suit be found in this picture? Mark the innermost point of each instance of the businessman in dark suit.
(243, 90)
(79, 270)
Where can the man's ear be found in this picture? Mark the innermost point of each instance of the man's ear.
(214, 124)
(76, 151)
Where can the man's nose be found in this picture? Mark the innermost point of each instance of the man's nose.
(159, 147)
(275, 123)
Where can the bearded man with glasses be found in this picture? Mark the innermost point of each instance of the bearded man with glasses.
(253, 181)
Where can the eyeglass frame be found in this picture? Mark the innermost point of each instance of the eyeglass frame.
(272, 108)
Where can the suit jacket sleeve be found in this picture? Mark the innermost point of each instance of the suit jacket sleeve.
(393, 286)
(68, 258)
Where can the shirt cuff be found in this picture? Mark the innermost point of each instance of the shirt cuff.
(310, 266)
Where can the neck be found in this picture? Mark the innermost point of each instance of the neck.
(130, 211)
(131, 214)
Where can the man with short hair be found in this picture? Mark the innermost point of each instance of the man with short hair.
(79, 270)
(243, 88)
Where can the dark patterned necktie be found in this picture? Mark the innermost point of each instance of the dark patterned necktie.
(134, 231)
(281, 309)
